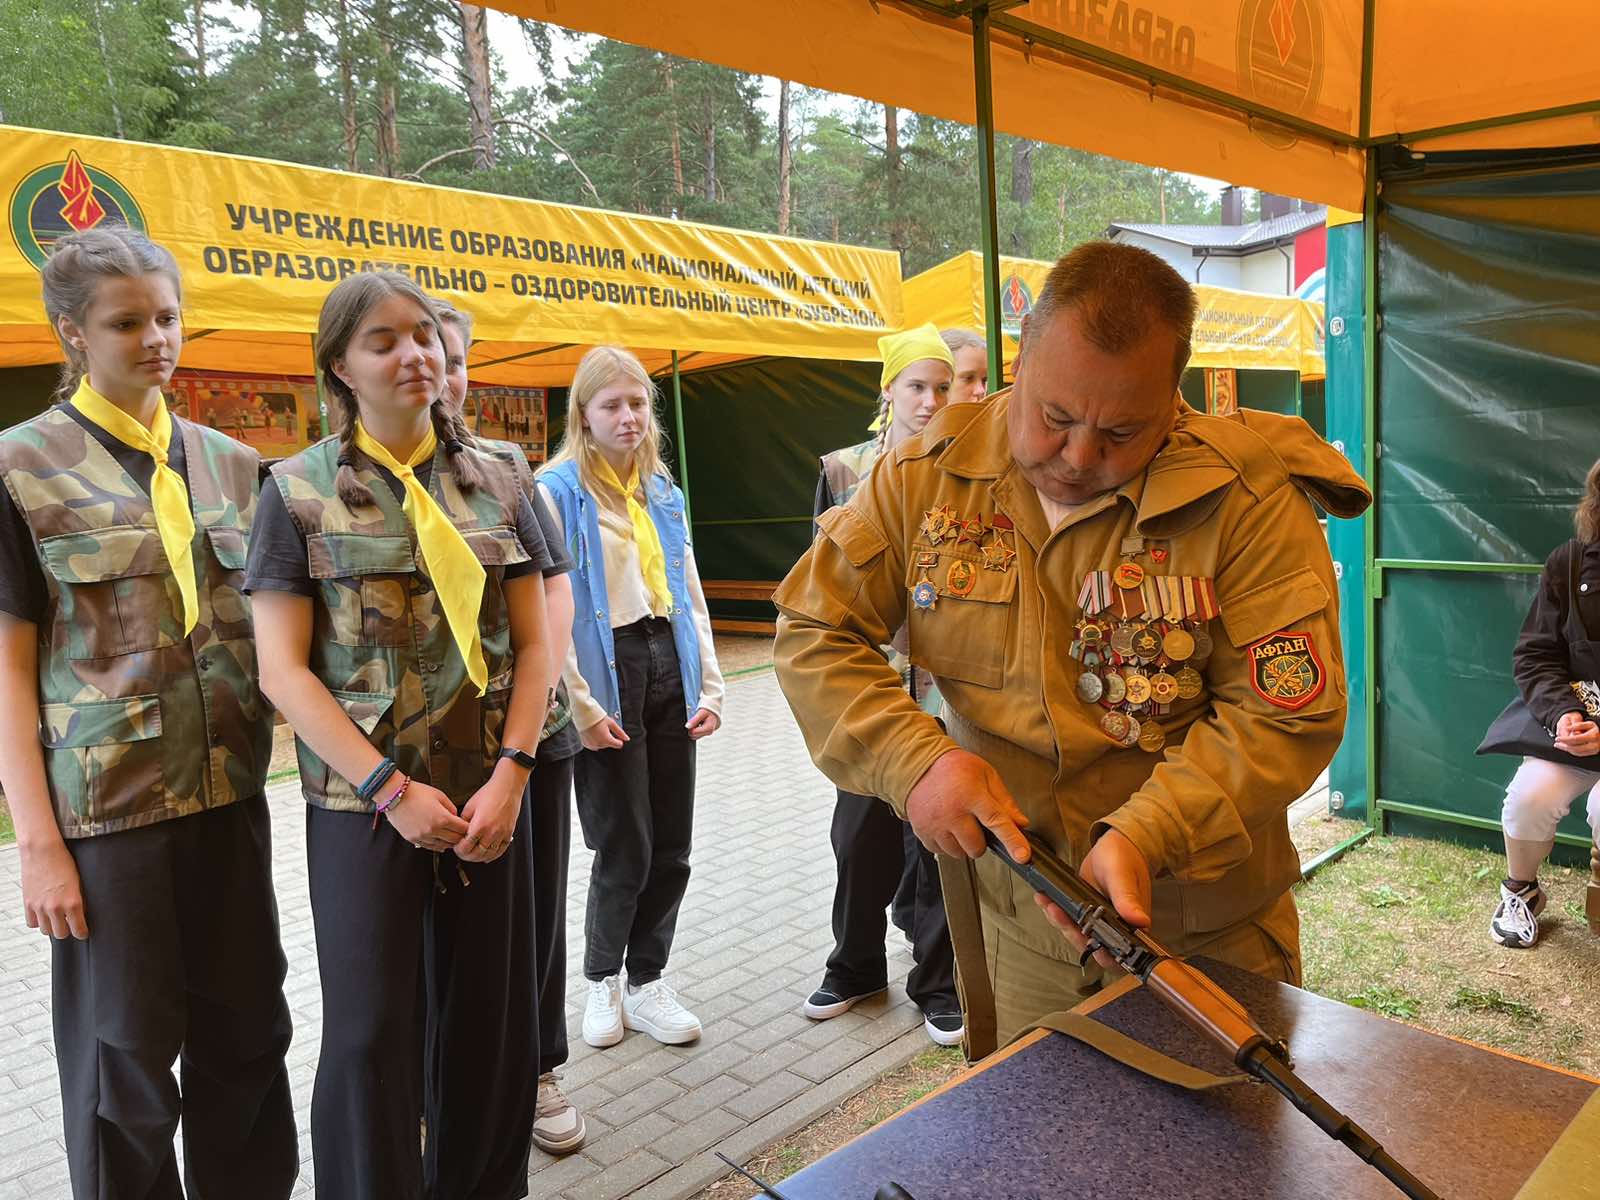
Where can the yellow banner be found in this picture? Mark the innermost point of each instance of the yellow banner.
(1232, 329)
(262, 243)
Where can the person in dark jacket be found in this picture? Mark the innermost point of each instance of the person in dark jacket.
(1554, 663)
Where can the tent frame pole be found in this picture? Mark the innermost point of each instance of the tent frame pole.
(989, 218)
(683, 449)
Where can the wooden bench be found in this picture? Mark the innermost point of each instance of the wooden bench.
(739, 589)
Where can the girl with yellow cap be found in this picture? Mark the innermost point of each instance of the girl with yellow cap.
(400, 612)
(645, 688)
(134, 745)
(878, 859)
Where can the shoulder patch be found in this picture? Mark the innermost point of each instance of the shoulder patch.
(1285, 669)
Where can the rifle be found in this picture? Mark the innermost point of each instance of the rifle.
(1198, 1000)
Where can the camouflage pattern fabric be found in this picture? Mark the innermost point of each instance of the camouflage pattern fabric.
(139, 724)
(379, 639)
(846, 468)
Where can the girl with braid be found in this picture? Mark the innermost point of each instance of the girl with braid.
(400, 614)
(133, 751)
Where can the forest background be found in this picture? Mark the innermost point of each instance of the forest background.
(447, 93)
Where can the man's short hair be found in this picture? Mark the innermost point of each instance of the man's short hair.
(1118, 291)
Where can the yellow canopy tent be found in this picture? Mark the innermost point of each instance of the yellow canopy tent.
(1243, 330)
(1278, 94)
(261, 243)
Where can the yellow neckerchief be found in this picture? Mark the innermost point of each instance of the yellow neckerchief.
(169, 497)
(458, 577)
(651, 559)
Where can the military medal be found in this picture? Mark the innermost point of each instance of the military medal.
(969, 532)
(1116, 724)
(1178, 644)
(1122, 640)
(1135, 730)
(961, 578)
(1203, 645)
(937, 524)
(1138, 688)
(1190, 683)
(1152, 737)
(925, 595)
(1163, 688)
(1090, 687)
(1128, 575)
(1116, 688)
(1091, 632)
(1146, 642)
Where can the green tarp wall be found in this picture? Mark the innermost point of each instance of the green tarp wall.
(1487, 420)
(754, 432)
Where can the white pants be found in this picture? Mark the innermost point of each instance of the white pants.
(1541, 793)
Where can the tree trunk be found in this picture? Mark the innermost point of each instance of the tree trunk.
(388, 115)
(1021, 192)
(711, 150)
(200, 40)
(105, 62)
(1162, 177)
(677, 142)
(347, 89)
(785, 161)
(891, 150)
(480, 84)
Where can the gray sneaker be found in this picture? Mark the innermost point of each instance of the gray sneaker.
(557, 1124)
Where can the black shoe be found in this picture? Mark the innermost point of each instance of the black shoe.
(825, 1002)
(945, 1028)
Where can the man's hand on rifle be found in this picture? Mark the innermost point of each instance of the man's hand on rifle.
(1115, 868)
(954, 797)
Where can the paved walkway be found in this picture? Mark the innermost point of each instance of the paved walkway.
(751, 943)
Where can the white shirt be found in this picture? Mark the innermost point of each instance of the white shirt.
(629, 599)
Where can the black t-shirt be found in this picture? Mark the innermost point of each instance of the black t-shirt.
(565, 742)
(23, 592)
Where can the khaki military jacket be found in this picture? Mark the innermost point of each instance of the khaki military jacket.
(1226, 499)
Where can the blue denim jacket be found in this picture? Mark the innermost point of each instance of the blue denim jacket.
(591, 622)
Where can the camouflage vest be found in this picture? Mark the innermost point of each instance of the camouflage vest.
(380, 643)
(139, 723)
(846, 468)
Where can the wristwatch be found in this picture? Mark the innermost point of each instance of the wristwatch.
(521, 757)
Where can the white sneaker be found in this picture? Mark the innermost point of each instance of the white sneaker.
(1515, 923)
(653, 1008)
(602, 1015)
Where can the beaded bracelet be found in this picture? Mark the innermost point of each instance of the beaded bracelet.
(379, 810)
(380, 775)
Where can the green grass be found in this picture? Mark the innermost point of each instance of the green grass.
(1399, 927)
(7, 833)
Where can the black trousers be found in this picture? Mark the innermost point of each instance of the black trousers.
(182, 962)
(549, 798)
(427, 989)
(636, 805)
(870, 848)
(903, 912)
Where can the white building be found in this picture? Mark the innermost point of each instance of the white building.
(1273, 255)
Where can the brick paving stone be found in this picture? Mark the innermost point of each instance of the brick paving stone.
(753, 935)
(621, 1179)
(625, 1139)
(638, 1101)
(766, 1096)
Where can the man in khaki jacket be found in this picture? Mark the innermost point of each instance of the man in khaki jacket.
(1130, 610)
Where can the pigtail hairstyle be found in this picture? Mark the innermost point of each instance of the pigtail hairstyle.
(72, 274)
(342, 313)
